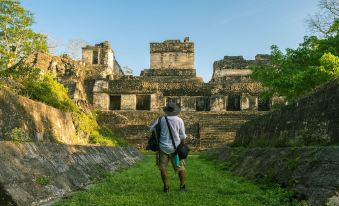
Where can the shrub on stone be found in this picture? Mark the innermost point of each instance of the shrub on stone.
(87, 127)
(17, 135)
(42, 180)
(46, 89)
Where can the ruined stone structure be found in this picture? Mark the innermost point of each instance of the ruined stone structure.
(172, 78)
(295, 146)
(312, 121)
(213, 111)
(57, 161)
(100, 61)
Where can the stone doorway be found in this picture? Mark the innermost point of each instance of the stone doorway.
(233, 102)
(263, 104)
(95, 57)
(115, 102)
(203, 104)
(143, 102)
(176, 100)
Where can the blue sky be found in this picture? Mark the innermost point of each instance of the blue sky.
(217, 27)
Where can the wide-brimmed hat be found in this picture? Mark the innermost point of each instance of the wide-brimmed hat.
(171, 109)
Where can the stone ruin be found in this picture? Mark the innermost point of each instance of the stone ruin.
(172, 78)
(212, 111)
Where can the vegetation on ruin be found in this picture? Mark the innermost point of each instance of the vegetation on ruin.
(300, 71)
(208, 183)
(42, 180)
(87, 126)
(17, 135)
(17, 42)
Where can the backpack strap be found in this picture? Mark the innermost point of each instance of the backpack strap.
(170, 132)
(158, 126)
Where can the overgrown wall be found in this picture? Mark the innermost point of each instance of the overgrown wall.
(36, 173)
(312, 173)
(313, 120)
(40, 121)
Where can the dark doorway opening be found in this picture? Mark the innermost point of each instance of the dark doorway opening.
(143, 102)
(115, 102)
(233, 102)
(203, 104)
(176, 100)
(95, 58)
(264, 104)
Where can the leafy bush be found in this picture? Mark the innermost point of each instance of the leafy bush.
(17, 135)
(40, 86)
(46, 89)
(42, 180)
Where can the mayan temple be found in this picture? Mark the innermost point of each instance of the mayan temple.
(212, 111)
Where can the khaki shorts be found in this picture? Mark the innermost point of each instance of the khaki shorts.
(165, 158)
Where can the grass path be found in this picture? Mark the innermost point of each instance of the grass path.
(207, 184)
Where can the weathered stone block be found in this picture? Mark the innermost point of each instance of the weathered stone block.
(188, 103)
(128, 102)
(101, 101)
(235, 67)
(172, 54)
(218, 103)
(249, 102)
(100, 86)
(172, 60)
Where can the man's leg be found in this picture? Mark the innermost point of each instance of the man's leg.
(182, 177)
(163, 162)
(164, 177)
(181, 172)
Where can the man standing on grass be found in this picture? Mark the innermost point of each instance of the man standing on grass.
(167, 150)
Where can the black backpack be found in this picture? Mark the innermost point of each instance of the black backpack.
(153, 140)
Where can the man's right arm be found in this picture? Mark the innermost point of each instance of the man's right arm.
(182, 133)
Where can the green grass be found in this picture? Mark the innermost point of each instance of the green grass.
(208, 183)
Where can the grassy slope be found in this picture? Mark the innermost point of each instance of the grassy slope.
(207, 184)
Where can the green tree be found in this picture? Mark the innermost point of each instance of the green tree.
(299, 71)
(17, 39)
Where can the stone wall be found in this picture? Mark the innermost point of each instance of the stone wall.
(172, 54)
(187, 92)
(40, 121)
(33, 174)
(67, 71)
(105, 54)
(169, 72)
(313, 120)
(311, 173)
(204, 129)
(235, 68)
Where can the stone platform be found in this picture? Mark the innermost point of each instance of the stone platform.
(204, 129)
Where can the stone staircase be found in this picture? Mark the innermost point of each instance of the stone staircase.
(204, 129)
(217, 130)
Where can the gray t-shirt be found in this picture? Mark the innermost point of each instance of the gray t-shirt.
(178, 132)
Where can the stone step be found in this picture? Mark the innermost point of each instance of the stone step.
(219, 127)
